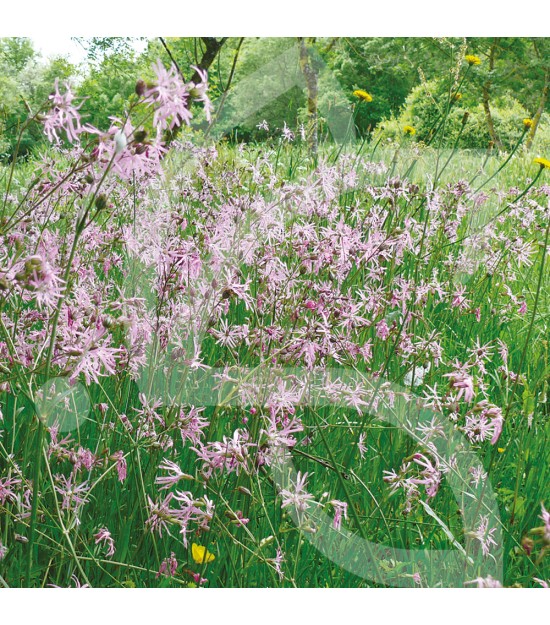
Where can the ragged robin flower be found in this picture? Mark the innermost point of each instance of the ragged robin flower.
(364, 96)
(472, 59)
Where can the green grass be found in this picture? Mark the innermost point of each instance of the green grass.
(518, 468)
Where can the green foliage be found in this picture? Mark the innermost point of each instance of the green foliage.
(25, 83)
(427, 104)
(110, 82)
(251, 68)
(395, 71)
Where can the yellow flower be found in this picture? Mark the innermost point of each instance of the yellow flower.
(201, 555)
(409, 130)
(472, 59)
(501, 450)
(362, 95)
(543, 162)
(527, 123)
(457, 96)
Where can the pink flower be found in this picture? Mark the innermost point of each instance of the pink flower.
(74, 495)
(361, 444)
(200, 581)
(277, 563)
(340, 511)
(175, 474)
(191, 425)
(229, 455)
(168, 567)
(287, 134)
(41, 282)
(431, 477)
(382, 330)
(121, 465)
(7, 486)
(464, 383)
(104, 536)
(160, 514)
(63, 115)
(484, 535)
(296, 495)
(170, 97)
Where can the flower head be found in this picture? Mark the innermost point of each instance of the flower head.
(170, 96)
(340, 511)
(472, 59)
(104, 536)
(543, 162)
(484, 535)
(201, 555)
(277, 563)
(63, 115)
(168, 567)
(363, 95)
(296, 495)
(409, 130)
(527, 123)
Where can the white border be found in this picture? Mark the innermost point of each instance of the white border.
(238, 607)
(282, 17)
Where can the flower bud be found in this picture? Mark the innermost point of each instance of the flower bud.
(140, 87)
(140, 136)
(120, 142)
(527, 544)
(101, 201)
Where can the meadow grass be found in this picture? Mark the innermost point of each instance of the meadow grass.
(425, 222)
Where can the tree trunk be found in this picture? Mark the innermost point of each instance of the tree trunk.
(213, 46)
(486, 97)
(540, 110)
(310, 75)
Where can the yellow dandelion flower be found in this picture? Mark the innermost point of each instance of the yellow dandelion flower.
(362, 95)
(201, 555)
(543, 162)
(527, 123)
(409, 130)
(501, 450)
(472, 59)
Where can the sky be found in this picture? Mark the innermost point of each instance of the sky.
(54, 46)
